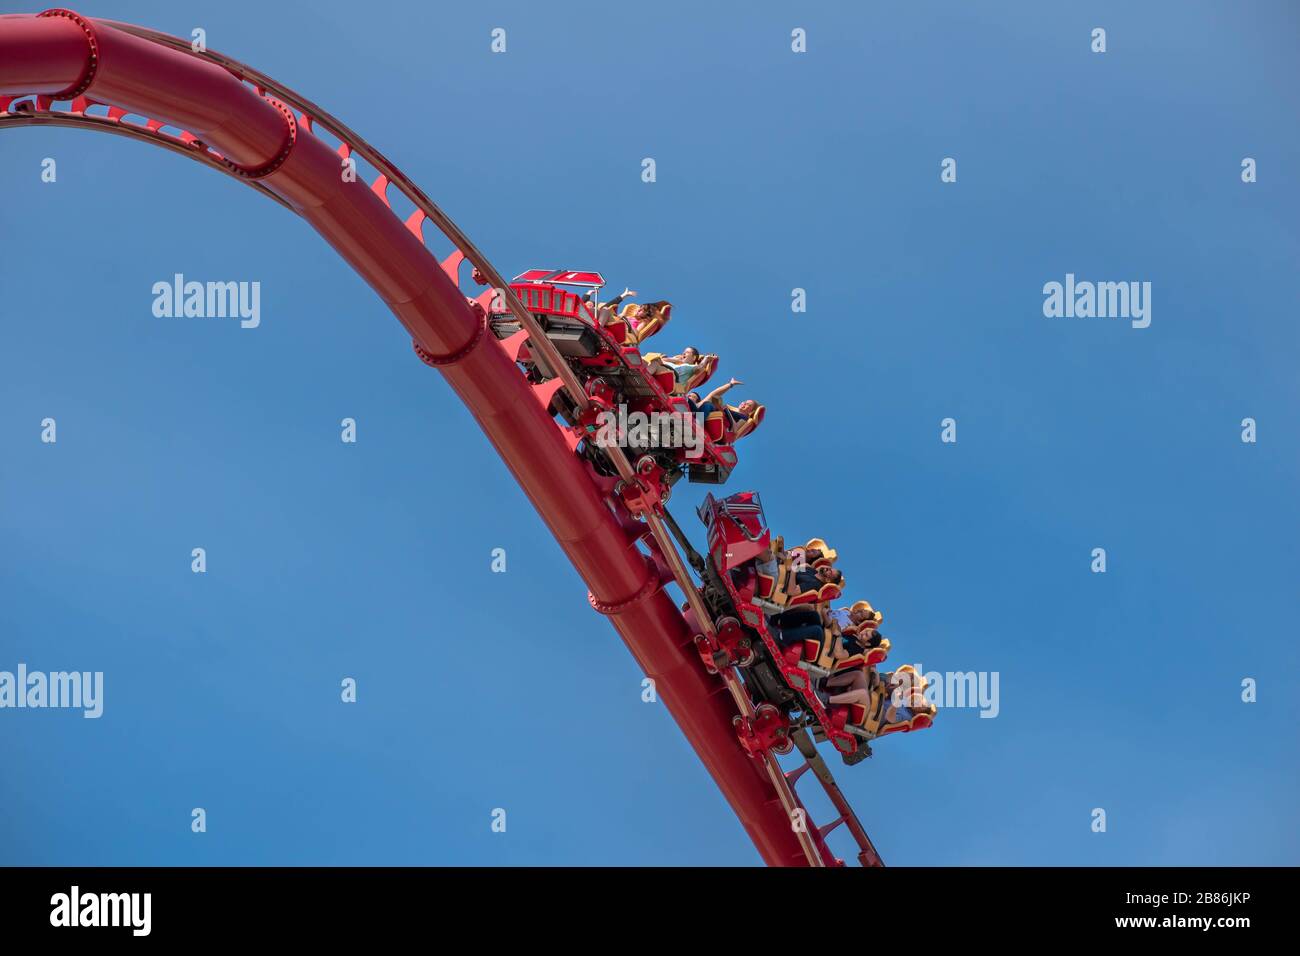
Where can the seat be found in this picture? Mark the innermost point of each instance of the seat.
(747, 424)
(620, 331)
(662, 373)
(704, 369)
(665, 379)
(822, 595)
(642, 329)
(829, 554)
(820, 653)
(715, 426)
(638, 330)
(869, 657)
(744, 580)
(772, 589)
(884, 716)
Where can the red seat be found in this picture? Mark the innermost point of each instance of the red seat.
(872, 657)
(715, 427)
(620, 331)
(745, 580)
(665, 380)
(875, 721)
(660, 313)
(747, 425)
(827, 592)
(707, 365)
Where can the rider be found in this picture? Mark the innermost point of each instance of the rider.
(797, 576)
(814, 554)
(737, 421)
(796, 590)
(862, 618)
(897, 699)
(806, 618)
(815, 585)
(797, 625)
(689, 369)
(640, 321)
(858, 638)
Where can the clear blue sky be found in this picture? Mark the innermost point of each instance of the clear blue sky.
(775, 171)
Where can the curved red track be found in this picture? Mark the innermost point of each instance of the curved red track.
(227, 120)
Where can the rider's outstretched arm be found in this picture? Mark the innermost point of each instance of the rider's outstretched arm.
(714, 397)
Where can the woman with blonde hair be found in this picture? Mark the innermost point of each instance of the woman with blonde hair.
(727, 423)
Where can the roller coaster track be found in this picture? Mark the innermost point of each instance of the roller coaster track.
(58, 68)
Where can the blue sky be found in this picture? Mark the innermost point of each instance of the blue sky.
(820, 171)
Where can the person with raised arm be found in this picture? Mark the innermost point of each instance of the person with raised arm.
(727, 423)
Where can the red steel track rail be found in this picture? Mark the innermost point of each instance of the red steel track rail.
(241, 122)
